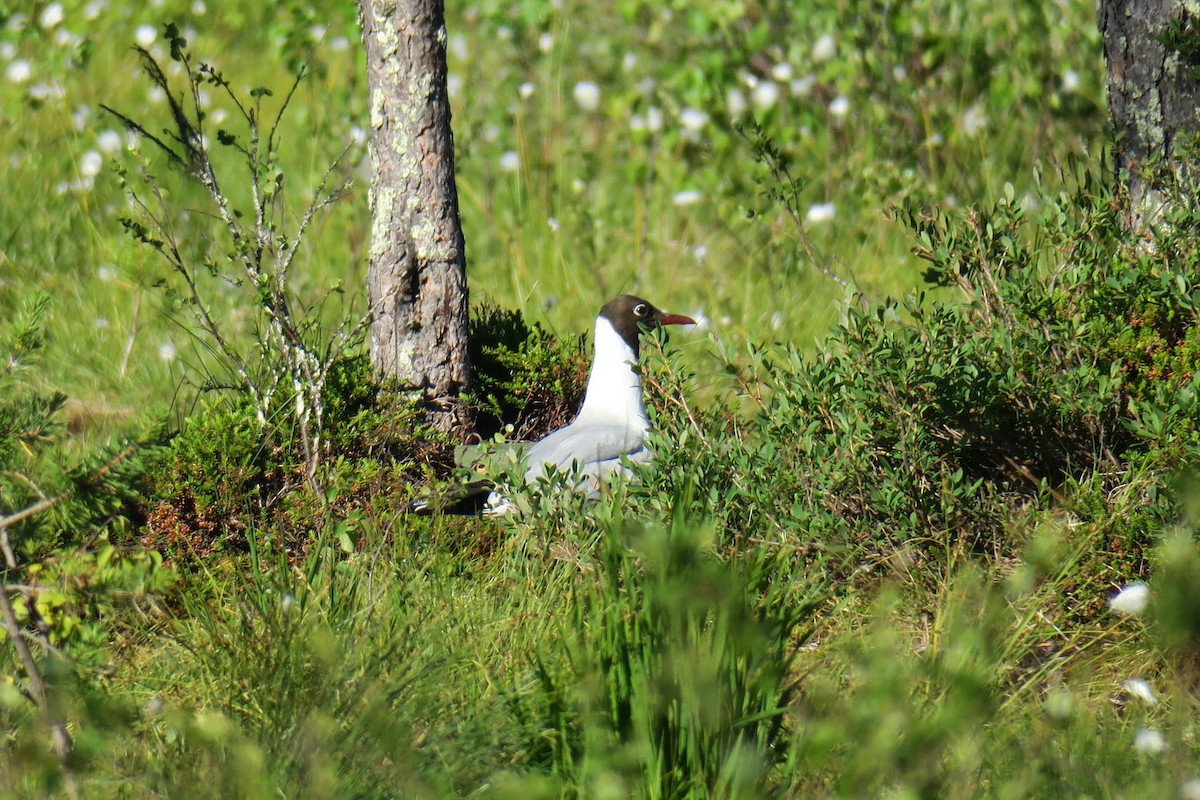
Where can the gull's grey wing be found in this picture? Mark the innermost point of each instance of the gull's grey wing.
(583, 446)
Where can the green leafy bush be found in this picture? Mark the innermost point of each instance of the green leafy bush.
(523, 379)
(1066, 360)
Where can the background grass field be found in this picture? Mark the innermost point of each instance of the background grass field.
(833, 585)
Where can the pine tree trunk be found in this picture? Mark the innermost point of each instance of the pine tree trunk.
(417, 276)
(1153, 97)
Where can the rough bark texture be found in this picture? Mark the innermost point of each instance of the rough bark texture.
(417, 278)
(1153, 95)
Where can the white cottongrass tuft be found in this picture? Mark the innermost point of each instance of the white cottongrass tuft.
(839, 106)
(765, 95)
(687, 197)
(973, 120)
(587, 95)
(90, 164)
(654, 119)
(1141, 690)
(51, 16)
(781, 72)
(1131, 600)
(821, 212)
(824, 49)
(510, 161)
(1070, 80)
(145, 35)
(693, 119)
(1149, 741)
(802, 87)
(525, 90)
(546, 42)
(18, 71)
(735, 102)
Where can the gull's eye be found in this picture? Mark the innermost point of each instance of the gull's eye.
(640, 310)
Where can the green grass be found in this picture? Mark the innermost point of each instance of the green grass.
(831, 586)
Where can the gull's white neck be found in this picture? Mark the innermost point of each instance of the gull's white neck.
(614, 390)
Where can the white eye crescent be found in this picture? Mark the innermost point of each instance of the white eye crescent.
(639, 310)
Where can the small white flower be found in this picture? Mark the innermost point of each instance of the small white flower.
(1131, 600)
(702, 321)
(1190, 789)
(546, 42)
(629, 61)
(654, 119)
(637, 123)
(106, 273)
(339, 45)
(217, 116)
(199, 8)
(156, 94)
(525, 90)
(821, 212)
(776, 321)
(358, 134)
(1070, 80)
(80, 117)
(458, 48)
(587, 95)
(802, 87)
(51, 16)
(899, 73)
(454, 84)
(94, 9)
(839, 106)
(1141, 690)
(510, 161)
(145, 35)
(700, 253)
(973, 120)
(735, 102)
(46, 91)
(824, 49)
(100, 323)
(317, 33)
(765, 95)
(782, 72)
(286, 602)
(504, 33)
(687, 197)
(693, 119)
(166, 351)
(646, 86)
(8, 51)
(552, 222)
(90, 164)
(18, 71)
(1149, 741)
